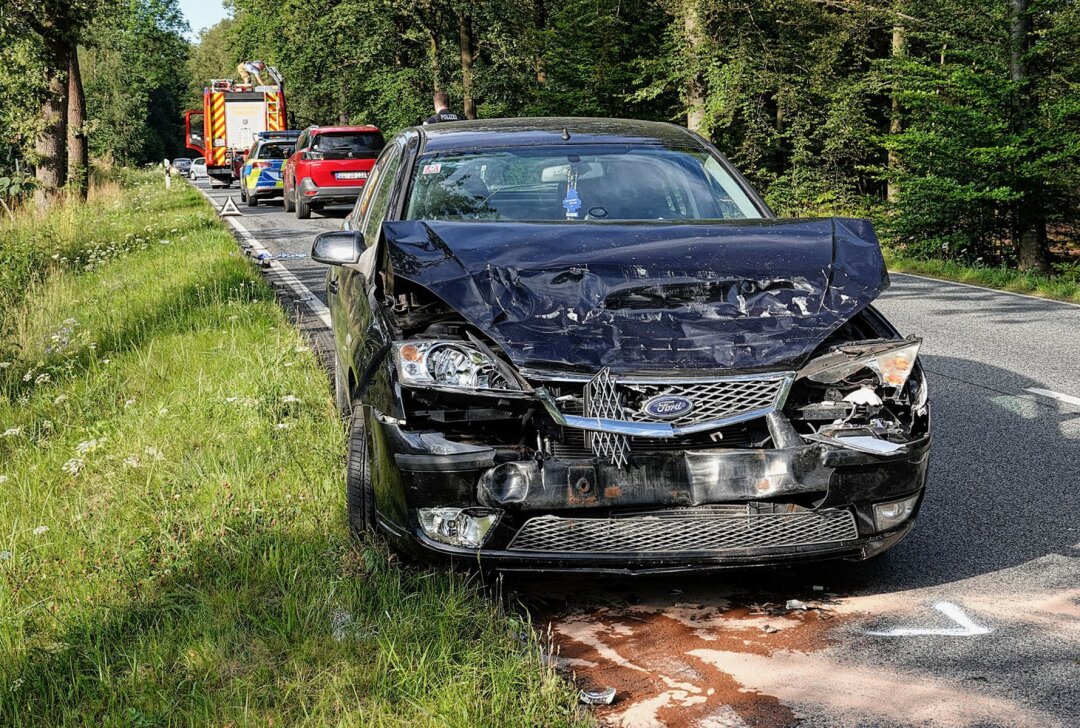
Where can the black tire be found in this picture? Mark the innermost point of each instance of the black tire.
(252, 200)
(243, 194)
(303, 209)
(359, 495)
(341, 390)
(286, 201)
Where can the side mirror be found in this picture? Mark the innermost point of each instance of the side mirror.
(339, 247)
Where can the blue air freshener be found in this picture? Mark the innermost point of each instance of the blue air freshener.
(571, 203)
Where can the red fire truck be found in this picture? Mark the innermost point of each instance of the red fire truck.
(232, 114)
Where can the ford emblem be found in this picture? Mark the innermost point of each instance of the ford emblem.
(667, 406)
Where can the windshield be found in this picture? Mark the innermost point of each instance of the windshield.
(274, 150)
(348, 145)
(615, 182)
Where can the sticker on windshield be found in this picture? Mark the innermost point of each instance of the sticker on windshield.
(431, 169)
(571, 203)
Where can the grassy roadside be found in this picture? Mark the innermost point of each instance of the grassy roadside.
(173, 548)
(1060, 288)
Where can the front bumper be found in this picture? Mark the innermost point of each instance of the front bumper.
(664, 512)
(328, 194)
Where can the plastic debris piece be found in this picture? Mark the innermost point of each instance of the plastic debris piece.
(597, 697)
(795, 604)
(819, 588)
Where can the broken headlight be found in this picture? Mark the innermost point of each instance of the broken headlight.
(449, 364)
(892, 365)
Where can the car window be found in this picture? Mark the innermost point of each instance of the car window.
(601, 182)
(348, 145)
(273, 150)
(200, 160)
(375, 202)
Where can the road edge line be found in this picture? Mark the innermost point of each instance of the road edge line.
(988, 289)
(286, 276)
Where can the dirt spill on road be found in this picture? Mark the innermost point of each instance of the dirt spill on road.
(647, 652)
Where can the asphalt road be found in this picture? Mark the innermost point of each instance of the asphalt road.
(998, 542)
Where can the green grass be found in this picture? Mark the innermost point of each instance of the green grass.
(173, 547)
(1059, 287)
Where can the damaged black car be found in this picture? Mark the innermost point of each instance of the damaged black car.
(588, 344)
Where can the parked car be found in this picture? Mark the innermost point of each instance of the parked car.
(329, 166)
(588, 344)
(260, 176)
(198, 169)
(182, 165)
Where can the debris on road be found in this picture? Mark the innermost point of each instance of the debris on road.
(597, 697)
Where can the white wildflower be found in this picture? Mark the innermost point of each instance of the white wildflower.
(28, 376)
(5, 555)
(4, 364)
(129, 402)
(88, 446)
(106, 361)
(60, 399)
(230, 400)
(40, 530)
(288, 363)
(42, 378)
(132, 462)
(163, 411)
(72, 466)
(3, 479)
(283, 425)
(288, 398)
(12, 432)
(154, 453)
(302, 349)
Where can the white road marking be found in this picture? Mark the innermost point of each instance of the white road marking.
(967, 628)
(1066, 398)
(985, 288)
(285, 275)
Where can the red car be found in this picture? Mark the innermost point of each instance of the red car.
(329, 166)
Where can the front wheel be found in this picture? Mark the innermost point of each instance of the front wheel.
(252, 200)
(359, 494)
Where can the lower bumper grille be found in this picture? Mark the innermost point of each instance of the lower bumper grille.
(696, 530)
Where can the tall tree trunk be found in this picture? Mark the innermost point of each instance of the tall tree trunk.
(540, 25)
(695, 89)
(899, 43)
(465, 34)
(78, 150)
(50, 146)
(1030, 215)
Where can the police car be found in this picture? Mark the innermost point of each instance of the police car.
(260, 176)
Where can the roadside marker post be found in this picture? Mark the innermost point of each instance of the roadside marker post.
(229, 208)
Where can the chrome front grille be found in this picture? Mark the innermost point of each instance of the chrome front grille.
(692, 530)
(714, 403)
(719, 400)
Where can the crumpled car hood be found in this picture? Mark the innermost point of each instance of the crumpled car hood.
(647, 297)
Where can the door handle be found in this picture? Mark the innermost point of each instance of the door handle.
(333, 286)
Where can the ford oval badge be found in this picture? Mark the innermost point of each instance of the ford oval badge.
(667, 406)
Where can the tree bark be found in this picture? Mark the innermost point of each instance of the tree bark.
(465, 35)
(78, 150)
(695, 89)
(1030, 215)
(50, 146)
(899, 44)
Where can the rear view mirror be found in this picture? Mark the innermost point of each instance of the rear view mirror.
(339, 247)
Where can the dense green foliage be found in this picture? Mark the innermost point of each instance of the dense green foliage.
(133, 57)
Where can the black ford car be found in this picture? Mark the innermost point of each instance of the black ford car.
(588, 344)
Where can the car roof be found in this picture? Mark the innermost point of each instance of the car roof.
(536, 131)
(323, 129)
